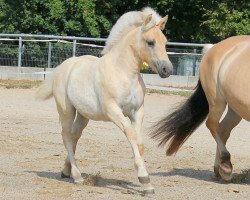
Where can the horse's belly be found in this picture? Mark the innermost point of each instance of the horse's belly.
(86, 102)
(89, 108)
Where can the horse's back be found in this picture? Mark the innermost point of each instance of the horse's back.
(63, 71)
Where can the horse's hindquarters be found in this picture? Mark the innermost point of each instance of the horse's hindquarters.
(82, 92)
(234, 80)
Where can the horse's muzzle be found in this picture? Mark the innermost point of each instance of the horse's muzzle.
(164, 68)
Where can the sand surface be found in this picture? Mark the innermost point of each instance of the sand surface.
(32, 155)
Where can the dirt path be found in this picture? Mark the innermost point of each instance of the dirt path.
(32, 155)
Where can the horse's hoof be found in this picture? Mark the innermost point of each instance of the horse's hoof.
(216, 172)
(225, 173)
(149, 192)
(64, 175)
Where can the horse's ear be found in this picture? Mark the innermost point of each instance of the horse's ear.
(163, 22)
(147, 23)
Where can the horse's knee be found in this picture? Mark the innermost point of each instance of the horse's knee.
(141, 149)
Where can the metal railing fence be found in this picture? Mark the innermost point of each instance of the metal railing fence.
(48, 51)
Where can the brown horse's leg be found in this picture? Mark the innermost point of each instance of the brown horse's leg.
(228, 123)
(215, 112)
(79, 124)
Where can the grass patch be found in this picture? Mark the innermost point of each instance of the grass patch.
(21, 84)
(179, 93)
(28, 84)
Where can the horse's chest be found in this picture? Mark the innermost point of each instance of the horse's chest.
(131, 102)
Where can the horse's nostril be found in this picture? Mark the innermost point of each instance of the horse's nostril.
(164, 69)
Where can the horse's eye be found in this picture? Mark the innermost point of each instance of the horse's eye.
(150, 43)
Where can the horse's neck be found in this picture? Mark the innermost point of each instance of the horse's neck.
(126, 55)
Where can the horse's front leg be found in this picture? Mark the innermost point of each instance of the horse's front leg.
(115, 114)
(136, 120)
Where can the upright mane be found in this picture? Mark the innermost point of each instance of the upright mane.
(127, 22)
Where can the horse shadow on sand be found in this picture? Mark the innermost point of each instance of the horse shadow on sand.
(96, 180)
(242, 178)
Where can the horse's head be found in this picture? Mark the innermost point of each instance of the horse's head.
(152, 47)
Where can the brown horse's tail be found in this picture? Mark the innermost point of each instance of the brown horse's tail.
(180, 124)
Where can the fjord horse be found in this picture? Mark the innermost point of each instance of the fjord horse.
(110, 88)
(224, 80)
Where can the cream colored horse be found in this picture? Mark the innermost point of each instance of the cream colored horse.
(224, 80)
(110, 88)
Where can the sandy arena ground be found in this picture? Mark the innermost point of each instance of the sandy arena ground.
(32, 155)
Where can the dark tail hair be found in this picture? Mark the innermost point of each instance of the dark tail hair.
(180, 124)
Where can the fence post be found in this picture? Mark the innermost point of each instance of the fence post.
(49, 55)
(194, 61)
(74, 48)
(20, 53)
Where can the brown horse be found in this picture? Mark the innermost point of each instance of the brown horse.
(224, 80)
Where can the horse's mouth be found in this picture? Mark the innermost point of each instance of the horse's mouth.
(162, 75)
(165, 71)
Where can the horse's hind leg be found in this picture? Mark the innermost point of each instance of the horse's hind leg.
(228, 123)
(79, 124)
(67, 118)
(215, 112)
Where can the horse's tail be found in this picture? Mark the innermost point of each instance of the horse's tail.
(180, 124)
(45, 91)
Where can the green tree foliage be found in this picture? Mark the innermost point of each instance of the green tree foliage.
(203, 20)
(59, 17)
(189, 20)
(226, 18)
